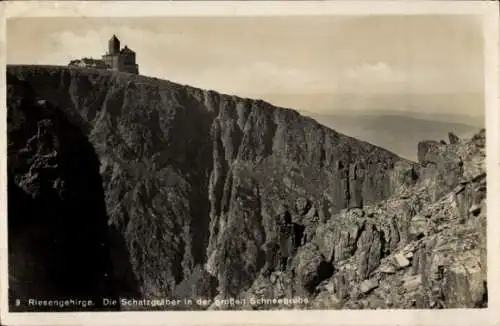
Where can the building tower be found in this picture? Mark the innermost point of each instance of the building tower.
(120, 59)
(114, 45)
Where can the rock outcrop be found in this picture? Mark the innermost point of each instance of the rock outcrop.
(408, 251)
(192, 183)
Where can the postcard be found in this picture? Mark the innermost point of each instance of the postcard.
(241, 162)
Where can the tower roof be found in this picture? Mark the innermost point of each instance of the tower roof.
(114, 38)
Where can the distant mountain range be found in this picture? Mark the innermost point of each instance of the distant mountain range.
(393, 121)
(396, 131)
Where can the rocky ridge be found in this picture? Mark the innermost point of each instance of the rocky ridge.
(192, 181)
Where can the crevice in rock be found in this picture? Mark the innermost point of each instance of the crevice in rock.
(384, 248)
(324, 272)
(484, 301)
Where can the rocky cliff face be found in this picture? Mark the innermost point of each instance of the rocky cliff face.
(57, 222)
(190, 183)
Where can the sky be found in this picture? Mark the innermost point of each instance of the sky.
(318, 64)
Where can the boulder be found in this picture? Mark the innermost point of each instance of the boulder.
(412, 283)
(401, 261)
(311, 268)
(368, 285)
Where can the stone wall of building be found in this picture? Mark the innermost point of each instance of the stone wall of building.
(120, 62)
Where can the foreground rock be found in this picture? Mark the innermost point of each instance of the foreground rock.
(409, 251)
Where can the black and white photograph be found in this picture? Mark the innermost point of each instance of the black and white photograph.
(305, 162)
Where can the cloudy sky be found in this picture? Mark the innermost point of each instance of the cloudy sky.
(316, 64)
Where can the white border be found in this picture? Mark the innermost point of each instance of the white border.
(490, 13)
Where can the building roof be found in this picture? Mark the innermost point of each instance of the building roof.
(126, 50)
(92, 60)
(114, 38)
(89, 62)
